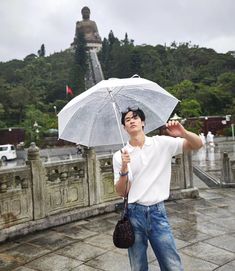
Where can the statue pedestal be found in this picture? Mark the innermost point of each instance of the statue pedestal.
(94, 47)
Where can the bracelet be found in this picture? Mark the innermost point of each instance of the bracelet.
(123, 174)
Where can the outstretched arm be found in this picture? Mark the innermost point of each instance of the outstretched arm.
(191, 140)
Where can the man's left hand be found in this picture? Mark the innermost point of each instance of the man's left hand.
(174, 128)
(191, 140)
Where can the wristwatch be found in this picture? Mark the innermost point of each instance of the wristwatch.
(123, 174)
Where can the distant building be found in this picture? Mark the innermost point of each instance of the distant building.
(214, 124)
(12, 135)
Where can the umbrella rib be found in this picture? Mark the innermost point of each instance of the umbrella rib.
(107, 97)
(93, 121)
(91, 133)
(129, 97)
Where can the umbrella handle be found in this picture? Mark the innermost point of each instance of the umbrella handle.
(128, 167)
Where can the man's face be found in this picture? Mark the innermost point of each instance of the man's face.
(133, 123)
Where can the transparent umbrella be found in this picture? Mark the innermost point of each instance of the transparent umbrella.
(93, 117)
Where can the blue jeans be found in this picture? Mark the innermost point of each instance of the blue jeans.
(151, 223)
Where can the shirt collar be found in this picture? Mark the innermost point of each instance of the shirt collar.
(147, 142)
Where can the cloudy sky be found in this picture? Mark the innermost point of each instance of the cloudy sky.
(26, 24)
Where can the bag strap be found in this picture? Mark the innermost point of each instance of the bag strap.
(125, 198)
(125, 201)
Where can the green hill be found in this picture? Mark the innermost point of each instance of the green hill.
(33, 89)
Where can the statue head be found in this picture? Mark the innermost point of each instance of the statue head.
(85, 13)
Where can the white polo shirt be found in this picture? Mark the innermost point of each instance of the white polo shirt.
(149, 169)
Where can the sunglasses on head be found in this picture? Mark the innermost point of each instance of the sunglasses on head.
(130, 108)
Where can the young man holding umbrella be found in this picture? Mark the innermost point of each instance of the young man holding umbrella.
(145, 163)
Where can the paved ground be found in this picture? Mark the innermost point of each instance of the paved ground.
(204, 229)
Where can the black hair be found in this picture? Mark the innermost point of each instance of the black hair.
(136, 112)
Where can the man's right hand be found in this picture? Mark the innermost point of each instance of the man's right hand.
(125, 160)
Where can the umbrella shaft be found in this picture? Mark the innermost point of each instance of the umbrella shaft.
(118, 123)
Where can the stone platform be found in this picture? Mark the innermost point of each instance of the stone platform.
(204, 230)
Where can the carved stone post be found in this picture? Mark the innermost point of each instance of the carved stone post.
(188, 170)
(38, 181)
(226, 169)
(177, 176)
(90, 155)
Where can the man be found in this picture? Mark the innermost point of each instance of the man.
(145, 163)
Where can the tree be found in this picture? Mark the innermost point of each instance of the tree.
(42, 51)
(2, 111)
(226, 81)
(109, 56)
(112, 39)
(19, 98)
(80, 64)
(213, 100)
(44, 122)
(183, 90)
(190, 108)
(30, 57)
(103, 56)
(135, 62)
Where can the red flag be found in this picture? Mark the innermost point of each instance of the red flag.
(69, 90)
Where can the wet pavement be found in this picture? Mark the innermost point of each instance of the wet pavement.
(210, 158)
(204, 230)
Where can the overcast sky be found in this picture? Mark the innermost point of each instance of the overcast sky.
(27, 24)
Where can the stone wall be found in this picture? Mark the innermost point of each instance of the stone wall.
(41, 195)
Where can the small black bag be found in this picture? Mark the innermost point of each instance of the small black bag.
(123, 235)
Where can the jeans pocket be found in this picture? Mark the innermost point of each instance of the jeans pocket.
(160, 208)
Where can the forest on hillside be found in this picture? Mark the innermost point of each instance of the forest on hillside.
(33, 89)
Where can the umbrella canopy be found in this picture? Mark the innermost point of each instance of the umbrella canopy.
(93, 117)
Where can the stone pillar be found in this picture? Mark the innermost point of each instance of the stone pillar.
(90, 155)
(188, 170)
(177, 174)
(38, 181)
(226, 170)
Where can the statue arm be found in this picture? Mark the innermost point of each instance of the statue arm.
(96, 28)
(77, 28)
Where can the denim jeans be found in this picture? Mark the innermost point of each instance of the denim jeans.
(151, 223)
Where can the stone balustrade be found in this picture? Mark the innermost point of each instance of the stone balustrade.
(228, 171)
(41, 195)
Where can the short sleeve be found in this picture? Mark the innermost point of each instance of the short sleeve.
(173, 144)
(116, 165)
(178, 146)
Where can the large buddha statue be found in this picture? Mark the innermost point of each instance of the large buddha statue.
(88, 27)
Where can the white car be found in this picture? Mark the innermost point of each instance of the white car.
(7, 152)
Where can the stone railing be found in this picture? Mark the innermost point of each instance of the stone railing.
(42, 195)
(16, 205)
